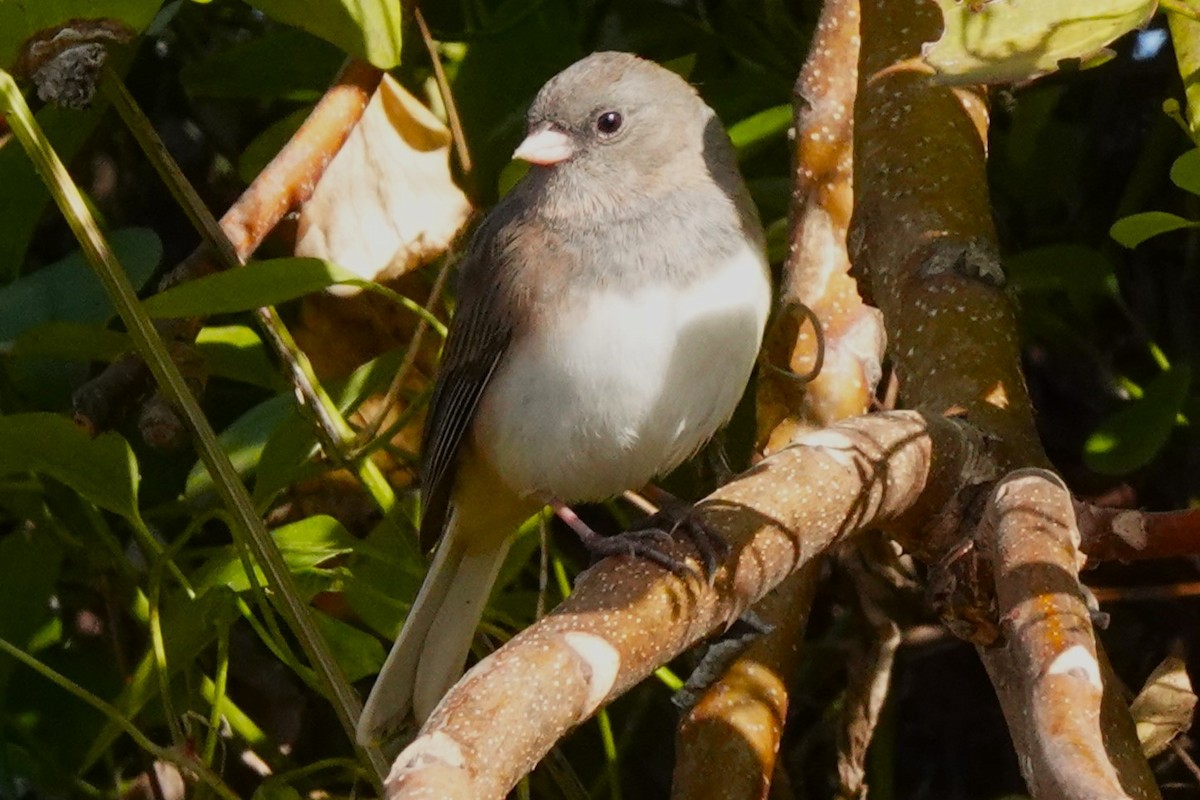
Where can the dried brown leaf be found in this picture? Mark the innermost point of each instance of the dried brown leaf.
(388, 202)
(1163, 709)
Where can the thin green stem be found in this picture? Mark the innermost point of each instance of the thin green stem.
(162, 673)
(368, 435)
(611, 763)
(404, 302)
(239, 722)
(212, 736)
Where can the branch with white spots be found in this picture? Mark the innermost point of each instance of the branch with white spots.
(628, 616)
(731, 735)
(923, 235)
(1045, 664)
(1124, 534)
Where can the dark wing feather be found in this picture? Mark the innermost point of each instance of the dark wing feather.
(479, 337)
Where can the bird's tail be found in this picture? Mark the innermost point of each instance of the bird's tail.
(429, 654)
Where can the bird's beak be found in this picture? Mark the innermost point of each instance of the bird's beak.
(545, 146)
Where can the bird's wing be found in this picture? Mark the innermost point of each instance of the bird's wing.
(479, 337)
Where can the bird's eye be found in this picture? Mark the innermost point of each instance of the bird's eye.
(609, 123)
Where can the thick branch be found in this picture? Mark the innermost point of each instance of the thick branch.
(627, 616)
(729, 739)
(923, 232)
(816, 275)
(1047, 662)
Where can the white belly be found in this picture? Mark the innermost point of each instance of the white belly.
(627, 387)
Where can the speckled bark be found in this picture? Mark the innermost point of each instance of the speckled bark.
(627, 616)
(922, 240)
(923, 237)
(728, 740)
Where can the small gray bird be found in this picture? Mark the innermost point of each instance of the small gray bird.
(610, 313)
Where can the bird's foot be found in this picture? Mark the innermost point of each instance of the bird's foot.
(651, 543)
(653, 538)
(674, 515)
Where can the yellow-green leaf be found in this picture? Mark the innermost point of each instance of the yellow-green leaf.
(1001, 41)
(369, 29)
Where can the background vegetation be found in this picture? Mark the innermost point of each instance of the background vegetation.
(122, 571)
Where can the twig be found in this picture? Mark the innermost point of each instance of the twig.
(392, 397)
(871, 661)
(285, 183)
(1116, 534)
(439, 74)
(1138, 594)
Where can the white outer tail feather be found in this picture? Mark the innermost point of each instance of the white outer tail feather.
(429, 654)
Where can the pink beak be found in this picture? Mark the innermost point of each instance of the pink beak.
(545, 147)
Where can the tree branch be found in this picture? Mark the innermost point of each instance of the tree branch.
(923, 233)
(728, 740)
(1119, 534)
(628, 616)
(1046, 665)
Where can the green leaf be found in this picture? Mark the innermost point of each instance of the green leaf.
(285, 458)
(102, 470)
(385, 575)
(1137, 228)
(259, 283)
(369, 29)
(68, 290)
(243, 441)
(20, 19)
(1132, 437)
(751, 133)
(360, 653)
(371, 377)
(1185, 172)
(30, 561)
(266, 67)
(306, 546)
(1005, 42)
(1061, 267)
(236, 352)
(275, 788)
(71, 341)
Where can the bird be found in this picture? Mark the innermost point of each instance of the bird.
(610, 311)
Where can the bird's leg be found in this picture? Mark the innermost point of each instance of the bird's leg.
(674, 514)
(651, 543)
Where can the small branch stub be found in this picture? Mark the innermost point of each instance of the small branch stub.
(64, 62)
